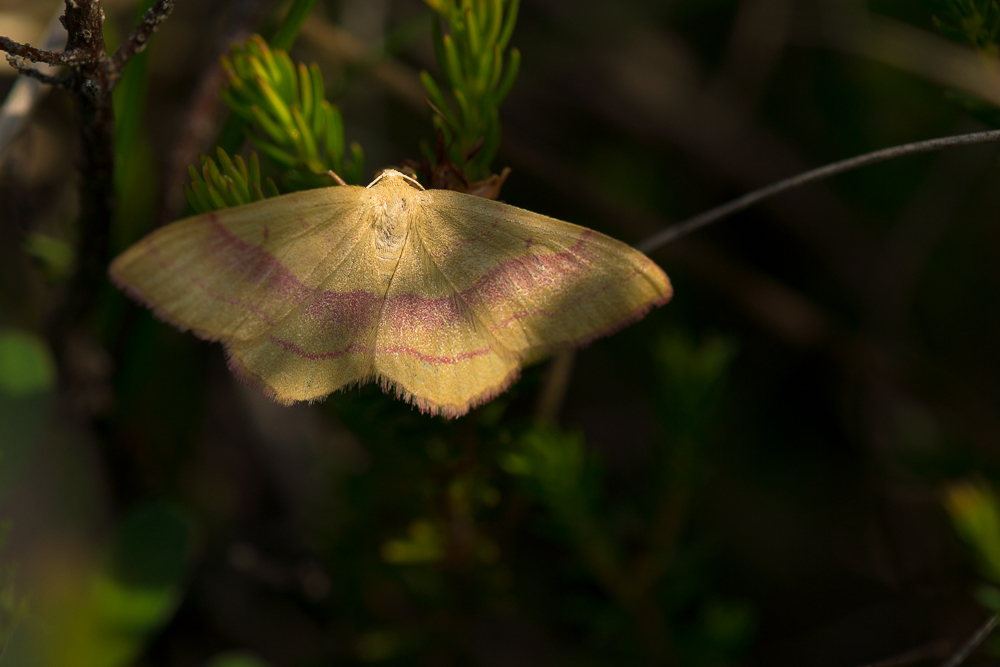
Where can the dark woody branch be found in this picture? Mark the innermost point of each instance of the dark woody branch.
(136, 42)
(18, 63)
(28, 52)
(92, 78)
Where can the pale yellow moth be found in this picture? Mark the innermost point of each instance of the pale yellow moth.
(437, 295)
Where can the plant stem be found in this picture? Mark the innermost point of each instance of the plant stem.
(966, 650)
(92, 79)
(680, 229)
(92, 84)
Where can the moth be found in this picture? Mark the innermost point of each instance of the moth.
(438, 296)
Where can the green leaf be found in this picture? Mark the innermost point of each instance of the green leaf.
(494, 22)
(975, 514)
(289, 80)
(508, 26)
(319, 114)
(472, 29)
(424, 543)
(200, 190)
(193, 201)
(260, 50)
(26, 365)
(275, 104)
(513, 66)
(308, 142)
(55, 255)
(436, 97)
(280, 156)
(306, 93)
(109, 622)
(334, 131)
(218, 201)
(274, 130)
(235, 175)
(289, 29)
(272, 188)
(244, 111)
(241, 165)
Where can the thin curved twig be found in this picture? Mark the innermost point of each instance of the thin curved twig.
(135, 43)
(680, 229)
(966, 650)
(22, 66)
(26, 92)
(35, 55)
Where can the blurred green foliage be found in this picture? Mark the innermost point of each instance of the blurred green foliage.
(55, 256)
(26, 367)
(974, 510)
(478, 74)
(21, 647)
(233, 184)
(27, 382)
(293, 123)
(13, 605)
(566, 479)
(975, 513)
(135, 172)
(103, 617)
(974, 22)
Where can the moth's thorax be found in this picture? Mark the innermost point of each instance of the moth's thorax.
(392, 207)
(391, 221)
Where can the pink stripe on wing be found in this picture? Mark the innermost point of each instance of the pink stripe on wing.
(233, 301)
(354, 348)
(254, 263)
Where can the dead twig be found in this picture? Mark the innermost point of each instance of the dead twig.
(35, 55)
(937, 649)
(26, 92)
(136, 42)
(746, 201)
(968, 647)
(92, 78)
(19, 63)
(554, 387)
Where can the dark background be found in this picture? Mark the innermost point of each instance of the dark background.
(861, 314)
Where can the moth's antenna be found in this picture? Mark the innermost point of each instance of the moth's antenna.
(332, 174)
(410, 179)
(386, 173)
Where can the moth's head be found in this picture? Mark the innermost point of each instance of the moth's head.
(393, 178)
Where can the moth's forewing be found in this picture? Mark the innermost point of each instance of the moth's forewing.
(235, 274)
(542, 283)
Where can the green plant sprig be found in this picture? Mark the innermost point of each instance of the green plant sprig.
(230, 182)
(292, 122)
(974, 22)
(471, 57)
